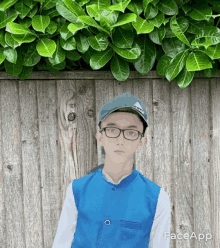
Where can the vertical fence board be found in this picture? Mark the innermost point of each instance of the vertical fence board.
(162, 137)
(30, 164)
(12, 169)
(215, 161)
(50, 172)
(86, 122)
(68, 164)
(104, 92)
(181, 183)
(143, 157)
(201, 162)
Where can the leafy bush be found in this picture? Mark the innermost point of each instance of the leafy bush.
(175, 37)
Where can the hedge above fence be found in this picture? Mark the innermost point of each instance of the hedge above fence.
(175, 37)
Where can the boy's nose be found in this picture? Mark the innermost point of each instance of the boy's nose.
(121, 137)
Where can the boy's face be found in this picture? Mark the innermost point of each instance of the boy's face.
(122, 121)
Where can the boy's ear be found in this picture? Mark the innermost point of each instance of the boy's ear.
(99, 138)
(142, 142)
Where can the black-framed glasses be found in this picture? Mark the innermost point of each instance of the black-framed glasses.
(114, 132)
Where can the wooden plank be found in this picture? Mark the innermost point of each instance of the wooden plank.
(30, 164)
(144, 157)
(181, 177)
(215, 160)
(90, 74)
(49, 167)
(67, 129)
(201, 162)
(86, 126)
(12, 182)
(162, 137)
(104, 92)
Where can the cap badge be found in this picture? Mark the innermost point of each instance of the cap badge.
(138, 107)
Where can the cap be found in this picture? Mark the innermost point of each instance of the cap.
(125, 100)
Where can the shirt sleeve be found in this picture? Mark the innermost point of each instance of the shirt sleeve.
(67, 223)
(160, 231)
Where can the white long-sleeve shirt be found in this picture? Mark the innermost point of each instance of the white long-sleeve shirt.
(68, 218)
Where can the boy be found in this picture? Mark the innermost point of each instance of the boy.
(115, 205)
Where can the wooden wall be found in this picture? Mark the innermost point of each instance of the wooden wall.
(47, 139)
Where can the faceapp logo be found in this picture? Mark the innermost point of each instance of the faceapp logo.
(138, 107)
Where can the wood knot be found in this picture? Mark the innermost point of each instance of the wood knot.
(71, 116)
(90, 113)
(9, 167)
(155, 103)
(82, 90)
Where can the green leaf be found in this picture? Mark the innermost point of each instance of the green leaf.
(200, 11)
(211, 35)
(2, 38)
(211, 71)
(58, 56)
(157, 35)
(213, 51)
(163, 64)
(74, 27)
(93, 11)
(30, 3)
(73, 55)
(176, 65)
(2, 56)
(198, 61)
(130, 53)
(46, 47)
(175, 27)
(15, 28)
(145, 4)
(74, 7)
(65, 12)
(158, 20)
(51, 28)
(172, 46)
(151, 11)
(10, 54)
(82, 43)
(23, 38)
(98, 42)
(125, 18)
(99, 59)
(25, 22)
(64, 31)
(119, 68)
(6, 4)
(26, 72)
(32, 13)
(142, 26)
(10, 41)
(13, 69)
(123, 38)
(136, 7)
(148, 55)
(22, 9)
(32, 57)
(49, 4)
(184, 78)
(168, 7)
(91, 22)
(7, 16)
(121, 6)
(69, 44)
(40, 23)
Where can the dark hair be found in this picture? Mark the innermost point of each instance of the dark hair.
(128, 110)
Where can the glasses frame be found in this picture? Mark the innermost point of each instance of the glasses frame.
(139, 133)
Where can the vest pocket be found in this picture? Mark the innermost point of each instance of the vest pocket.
(130, 224)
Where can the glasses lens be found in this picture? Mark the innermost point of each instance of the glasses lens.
(131, 134)
(112, 132)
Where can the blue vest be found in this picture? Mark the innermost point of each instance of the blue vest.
(109, 215)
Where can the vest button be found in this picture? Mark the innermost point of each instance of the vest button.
(107, 222)
(113, 188)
